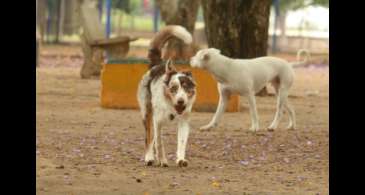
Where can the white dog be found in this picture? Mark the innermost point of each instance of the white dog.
(165, 94)
(247, 77)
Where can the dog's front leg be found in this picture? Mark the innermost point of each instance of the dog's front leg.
(149, 157)
(163, 154)
(253, 112)
(224, 95)
(183, 134)
(159, 155)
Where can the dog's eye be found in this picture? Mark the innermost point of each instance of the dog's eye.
(174, 89)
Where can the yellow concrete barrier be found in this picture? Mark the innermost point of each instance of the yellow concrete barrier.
(119, 81)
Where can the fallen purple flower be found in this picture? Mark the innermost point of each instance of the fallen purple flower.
(286, 160)
(262, 158)
(170, 156)
(76, 150)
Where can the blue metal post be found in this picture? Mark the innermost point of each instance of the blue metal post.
(276, 7)
(155, 17)
(108, 19)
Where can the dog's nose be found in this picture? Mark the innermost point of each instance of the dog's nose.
(180, 102)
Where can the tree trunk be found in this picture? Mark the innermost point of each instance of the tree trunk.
(37, 35)
(71, 23)
(179, 12)
(53, 21)
(93, 59)
(61, 18)
(41, 17)
(238, 28)
(38, 42)
(120, 19)
(282, 26)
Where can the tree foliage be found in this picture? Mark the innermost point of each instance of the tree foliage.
(128, 6)
(286, 5)
(324, 3)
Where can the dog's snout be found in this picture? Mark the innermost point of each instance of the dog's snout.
(180, 102)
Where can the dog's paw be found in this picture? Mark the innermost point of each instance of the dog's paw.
(271, 129)
(253, 129)
(290, 127)
(206, 127)
(182, 163)
(149, 162)
(164, 163)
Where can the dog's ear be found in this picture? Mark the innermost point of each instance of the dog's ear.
(205, 56)
(187, 73)
(169, 71)
(169, 66)
(189, 78)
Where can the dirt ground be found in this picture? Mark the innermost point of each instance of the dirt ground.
(85, 149)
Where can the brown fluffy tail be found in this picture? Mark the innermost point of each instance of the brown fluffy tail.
(154, 53)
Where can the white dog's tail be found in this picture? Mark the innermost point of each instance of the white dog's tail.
(299, 63)
(154, 54)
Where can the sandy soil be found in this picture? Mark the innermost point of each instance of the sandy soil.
(85, 149)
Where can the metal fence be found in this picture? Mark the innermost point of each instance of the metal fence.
(58, 20)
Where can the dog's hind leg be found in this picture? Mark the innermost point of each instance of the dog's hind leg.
(253, 112)
(147, 121)
(224, 95)
(160, 153)
(281, 101)
(292, 119)
(288, 107)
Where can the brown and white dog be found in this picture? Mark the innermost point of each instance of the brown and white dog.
(165, 94)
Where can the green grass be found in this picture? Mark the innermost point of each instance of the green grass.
(131, 22)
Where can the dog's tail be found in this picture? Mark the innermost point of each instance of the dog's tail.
(300, 63)
(154, 53)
